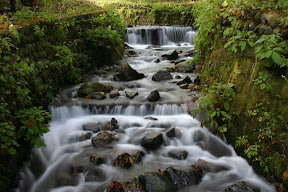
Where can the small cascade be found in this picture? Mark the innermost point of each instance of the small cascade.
(159, 35)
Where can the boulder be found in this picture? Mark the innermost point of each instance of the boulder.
(114, 93)
(170, 55)
(171, 132)
(113, 124)
(103, 139)
(241, 187)
(95, 175)
(97, 159)
(131, 94)
(127, 73)
(162, 76)
(178, 154)
(124, 161)
(155, 182)
(183, 179)
(153, 96)
(185, 67)
(98, 95)
(152, 141)
(94, 127)
(185, 80)
(88, 88)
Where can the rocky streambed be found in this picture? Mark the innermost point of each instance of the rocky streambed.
(128, 128)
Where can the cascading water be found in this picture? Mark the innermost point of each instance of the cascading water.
(65, 164)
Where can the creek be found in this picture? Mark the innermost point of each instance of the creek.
(65, 164)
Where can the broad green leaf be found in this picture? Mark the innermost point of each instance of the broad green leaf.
(262, 86)
(280, 50)
(225, 114)
(277, 58)
(226, 106)
(258, 48)
(7, 58)
(31, 131)
(227, 44)
(268, 53)
(259, 41)
(213, 114)
(242, 45)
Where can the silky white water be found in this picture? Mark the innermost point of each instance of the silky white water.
(51, 168)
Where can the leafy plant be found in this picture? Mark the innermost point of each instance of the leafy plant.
(33, 125)
(262, 80)
(240, 40)
(215, 102)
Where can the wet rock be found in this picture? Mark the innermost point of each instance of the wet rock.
(162, 76)
(127, 73)
(197, 81)
(157, 61)
(131, 94)
(178, 77)
(132, 53)
(138, 157)
(241, 187)
(152, 141)
(261, 29)
(97, 159)
(170, 55)
(113, 124)
(103, 139)
(185, 67)
(151, 118)
(268, 31)
(274, 21)
(130, 85)
(171, 132)
(155, 182)
(179, 61)
(184, 86)
(95, 175)
(183, 179)
(94, 127)
(86, 136)
(124, 161)
(153, 96)
(178, 154)
(115, 186)
(77, 169)
(98, 95)
(114, 93)
(88, 88)
(185, 80)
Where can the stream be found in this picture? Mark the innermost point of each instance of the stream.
(65, 165)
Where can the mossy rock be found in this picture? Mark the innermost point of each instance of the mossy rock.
(88, 88)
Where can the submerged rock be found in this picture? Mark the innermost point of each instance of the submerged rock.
(113, 124)
(153, 96)
(155, 182)
(183, 179)
(178, 154)
(127, 73)
(95, 175)
(97, 159)
(171, 132)
(103, 139)
(241, 187)
(170, 55)
(162, 76)
(152, 141)
(94, 127)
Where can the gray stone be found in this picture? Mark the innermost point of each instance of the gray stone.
(185, 80)
(162, 76)
(103, 139)
(153, 96)
(131, 94)
(184, 86)
(171, 132)
(152, 141)
(127, 73)
(114, 93)
(184, 67)
(94, 127)
(170, 55)
(178, 154)
(241, 187)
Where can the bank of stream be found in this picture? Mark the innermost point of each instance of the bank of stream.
(148, 124)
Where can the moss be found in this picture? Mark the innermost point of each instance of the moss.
(278, 165)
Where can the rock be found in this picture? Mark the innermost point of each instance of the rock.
(127, 73)
(162, 76)
(183, 179)
(103, 139)
(268, 31)
(274, 21)
(88, 88)
(178, 77)
(261, 29)
(95, 175)
(184, 86)
(114, 93)
(113, 124)
(77, 169)
(157, 61)
(96, 159)
(185, 80)
(151, 118)
(264, 18)
(130, 85)
(124, 161)
(138, 157)
(152, 141)
(131, 94)
(153, 96)
(258, 18)
(185, 67)
(132, 53)
(94, 127)
(170, 55)
(251, 26)
(241, 187)
(86, 136)
(171, 132)
(155, 182)
(98, 95)
(197, 81)
(178, 154)
(180, 61)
